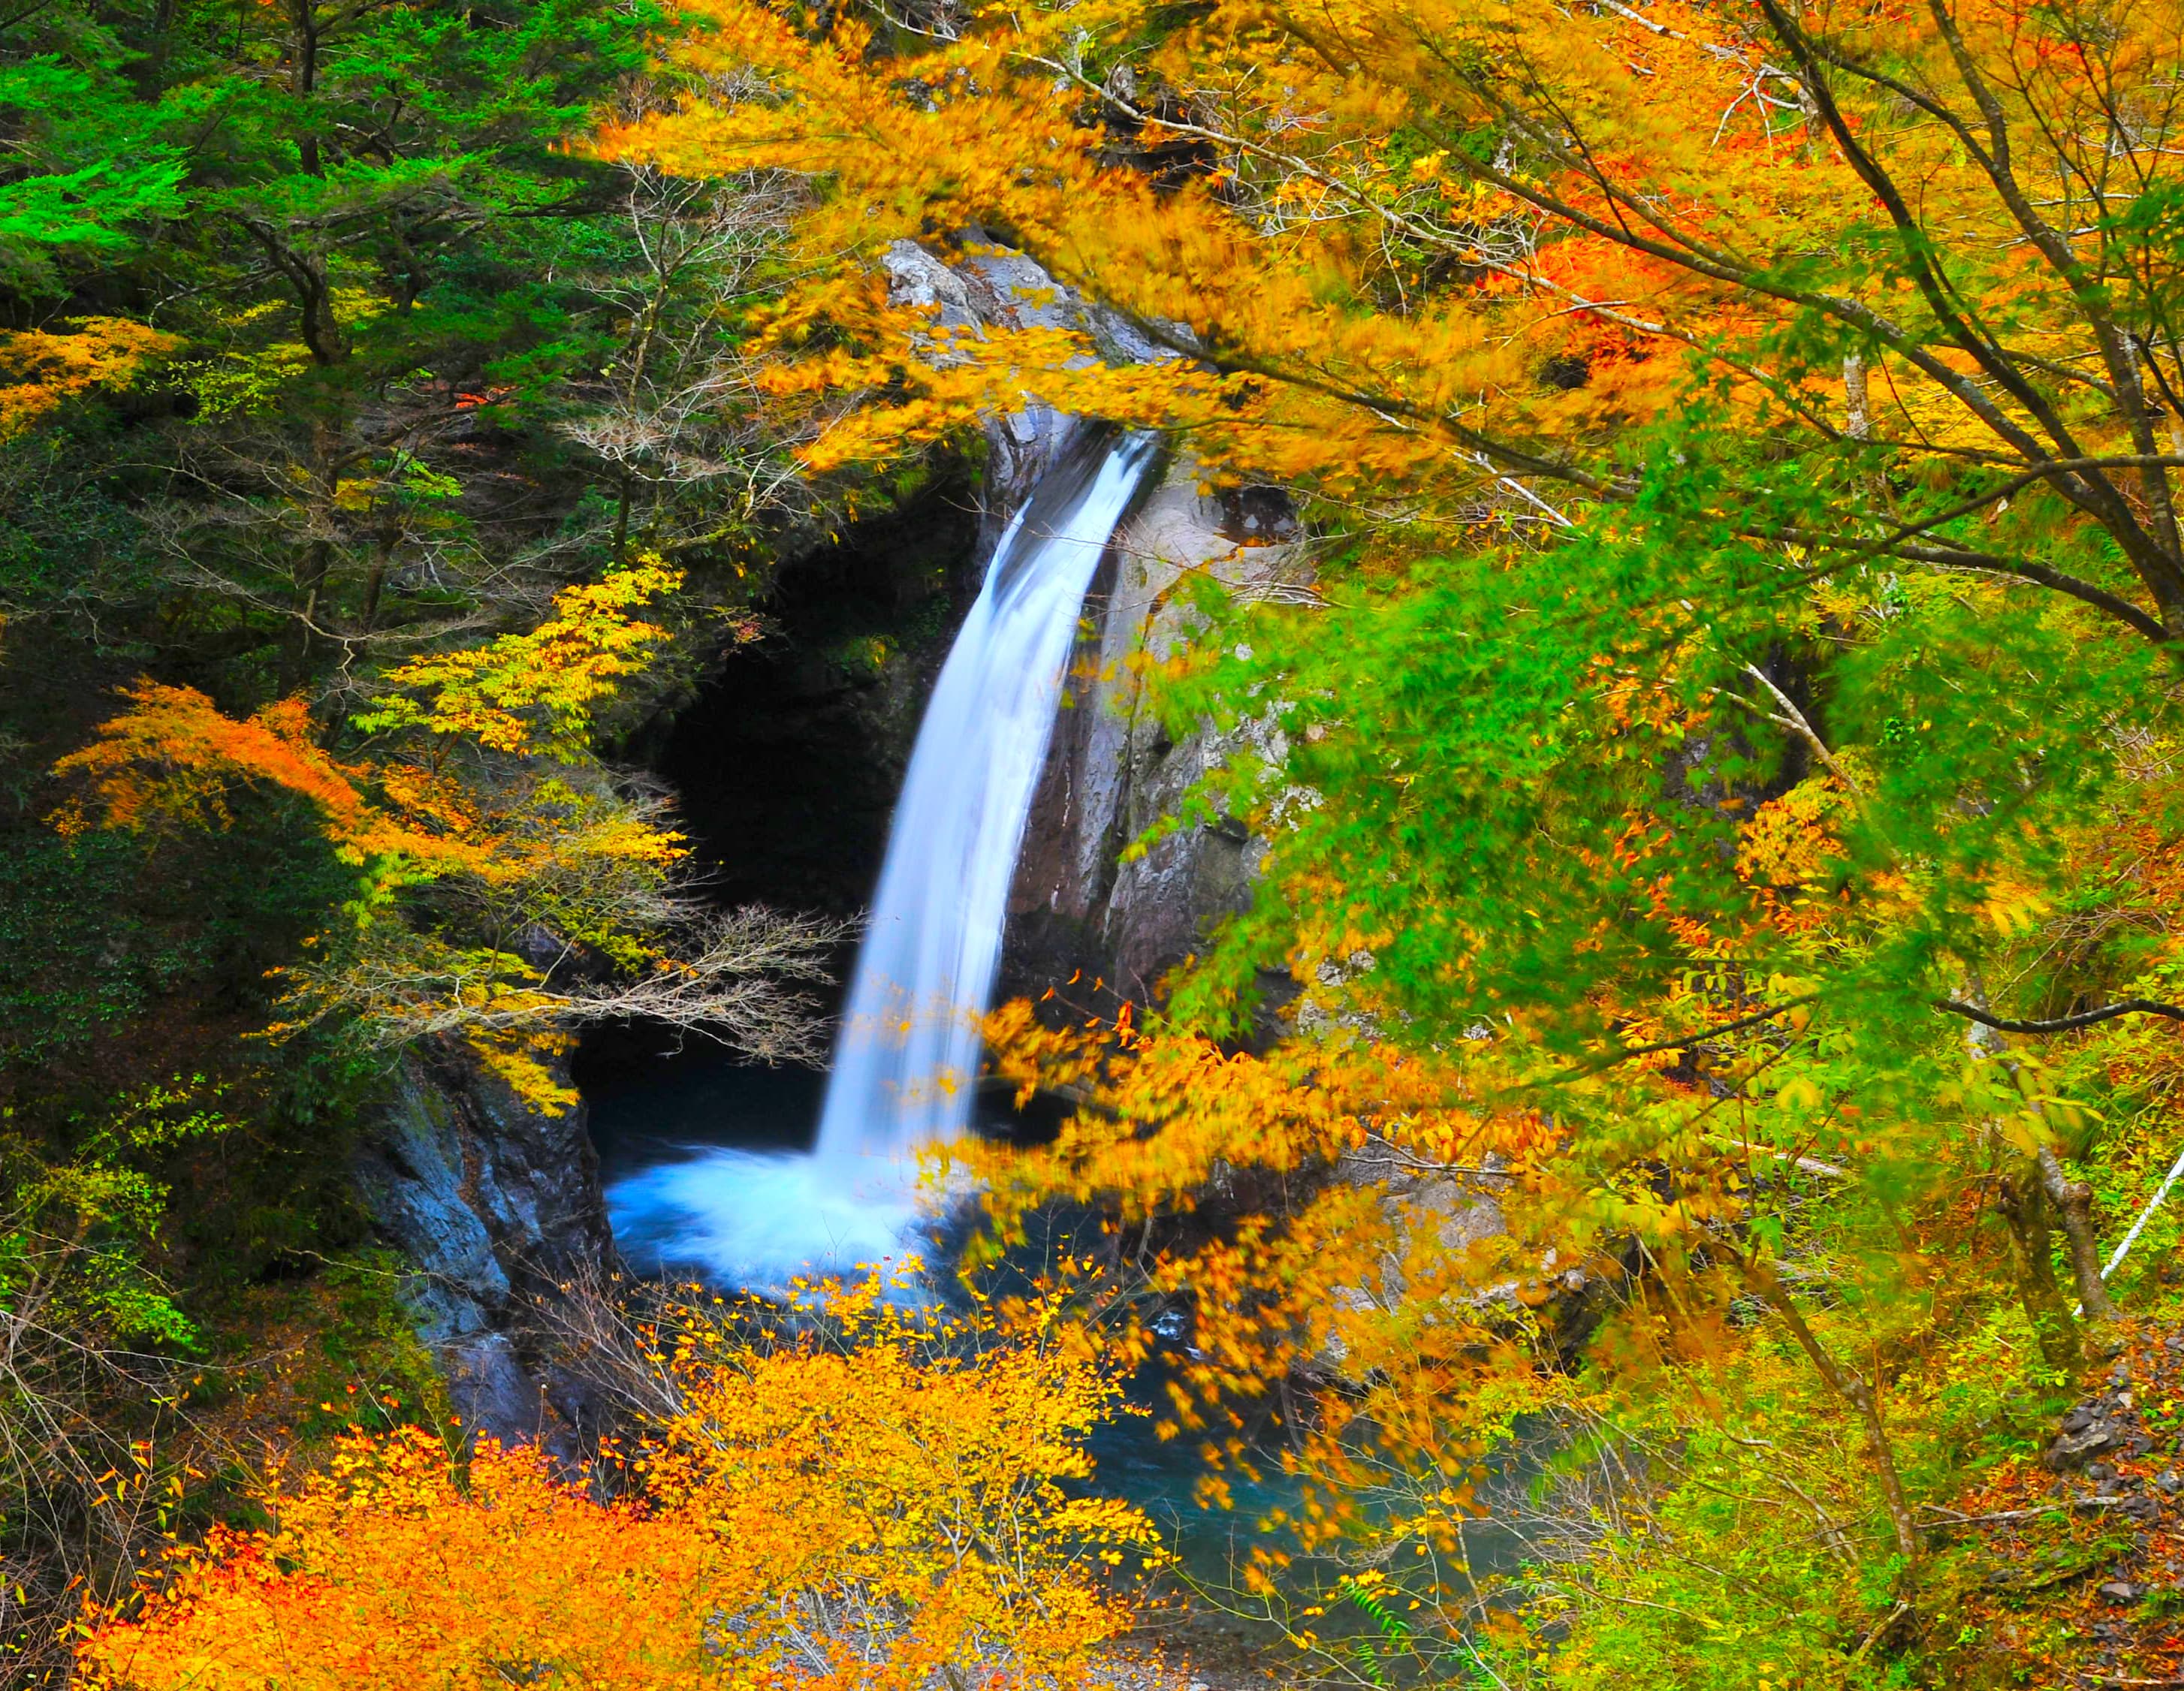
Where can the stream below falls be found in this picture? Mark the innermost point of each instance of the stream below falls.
(672, 1129)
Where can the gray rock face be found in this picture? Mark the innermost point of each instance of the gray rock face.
(995, 288)
(985, 287)
(1113, 771)
(497, 1207)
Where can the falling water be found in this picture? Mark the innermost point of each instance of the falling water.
(908, 1046)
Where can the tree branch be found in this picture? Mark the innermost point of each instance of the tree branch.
(2061, 1024)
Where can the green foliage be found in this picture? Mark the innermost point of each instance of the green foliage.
(75, 539)
(88, 207)
(1465, 722)
(324, 1354)
(81, 1228)
(399, 287)
(104, 927)
(1731, 1548)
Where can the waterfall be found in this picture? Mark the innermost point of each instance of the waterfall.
(909, 1047)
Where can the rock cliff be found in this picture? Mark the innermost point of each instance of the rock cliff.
(497, 1207)
(1113, 770)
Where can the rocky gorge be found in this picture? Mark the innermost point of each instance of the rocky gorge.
(786, 764)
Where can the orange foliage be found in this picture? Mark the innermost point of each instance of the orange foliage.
(880, 1510)
(39, 370)
(1293, 379)
(399, 1565)
(1371, 1252)
(1363, 300)
(174, 755)
(509, 818)
(1308, 1209)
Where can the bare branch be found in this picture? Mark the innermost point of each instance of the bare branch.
(2061, 1024)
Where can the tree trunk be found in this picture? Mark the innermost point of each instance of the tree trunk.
(375, 581)
(2074, 1202)
(2022, 1204)
(316, 565)
(1858, 403)
(2072, 1199)
(303, 77)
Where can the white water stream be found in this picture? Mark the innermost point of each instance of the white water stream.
(908, 1047)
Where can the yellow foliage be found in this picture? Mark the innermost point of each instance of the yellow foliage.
(882, 1509)
(1361, 300)
(535, 691)
(40, 369)
(1789, 840)
(1299, 1205)
(926, 1467)
(582, 860)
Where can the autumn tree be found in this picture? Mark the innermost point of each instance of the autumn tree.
(880, 1506)
(471, 1572)
(324, 350)
(507, 892)
(1506, 180)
